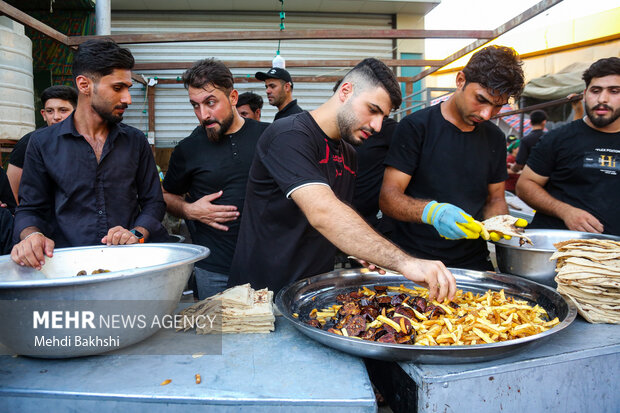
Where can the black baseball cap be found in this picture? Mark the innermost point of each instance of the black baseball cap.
(274, 73)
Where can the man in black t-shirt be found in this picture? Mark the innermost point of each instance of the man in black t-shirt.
(452, 153)
(301, 179)
(279, 87)
(208, 171)
(572, 177)
(58, 103)
(370, 168)
(538, 119)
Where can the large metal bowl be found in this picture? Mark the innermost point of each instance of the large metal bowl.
(320, 291)
(532, 261)
(145, 281)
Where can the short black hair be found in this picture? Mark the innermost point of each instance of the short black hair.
(252, 99)
(100, 57)
(537, 117)
(601, 68)
(208, 71)
(498, 69)
(62, 92)
(377, 73)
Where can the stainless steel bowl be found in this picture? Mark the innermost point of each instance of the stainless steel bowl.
(532, 261)
(145, 280)
(321, 290)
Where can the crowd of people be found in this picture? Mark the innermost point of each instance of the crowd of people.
(276, 202)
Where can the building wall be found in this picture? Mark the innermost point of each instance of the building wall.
(174, 117)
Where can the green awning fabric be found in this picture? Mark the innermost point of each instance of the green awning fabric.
(556, 86)
(49, 55)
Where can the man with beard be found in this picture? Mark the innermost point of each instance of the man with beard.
(279, 87)
(302, 178)
(208, 171)
(89, 179)
(447, 164)
(572, 175)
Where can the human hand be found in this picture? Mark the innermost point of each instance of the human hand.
(433, 275)
(451, 221)
(211, 214)
(2, 204)
(496, 236)
(31, 251)
(577, 219)
(119, 236)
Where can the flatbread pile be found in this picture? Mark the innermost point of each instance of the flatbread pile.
(239, 309)
(505, 225)
(588, 273)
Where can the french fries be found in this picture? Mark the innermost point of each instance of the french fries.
(476, 319)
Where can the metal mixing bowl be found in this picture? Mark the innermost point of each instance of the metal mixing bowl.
(532, 261)
(145, 280)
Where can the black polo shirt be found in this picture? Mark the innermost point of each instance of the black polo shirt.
(288, 110)
(199, 167)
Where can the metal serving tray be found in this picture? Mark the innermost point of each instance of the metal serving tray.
(321, 290)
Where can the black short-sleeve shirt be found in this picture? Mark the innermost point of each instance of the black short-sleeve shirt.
(526, 145)
(370, 157)
(291, 109)
(18, 154)
(446, 165)
(200, 167)
(583, 167)
(277, 245)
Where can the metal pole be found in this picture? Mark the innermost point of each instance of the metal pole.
(103, 12)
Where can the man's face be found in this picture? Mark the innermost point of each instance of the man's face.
(276, 91)
(246, 112)
(56, 110)
(214, 109)
(602, 100)
(111, 96)
(475, 103)
(362, 115)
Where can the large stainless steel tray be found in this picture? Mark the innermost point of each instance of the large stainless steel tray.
(321, 291)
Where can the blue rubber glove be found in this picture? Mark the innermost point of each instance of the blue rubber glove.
(451, 221)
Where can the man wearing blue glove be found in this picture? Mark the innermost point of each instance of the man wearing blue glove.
(447, 165)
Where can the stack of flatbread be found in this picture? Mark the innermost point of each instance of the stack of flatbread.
(239, 309)
(588, 273)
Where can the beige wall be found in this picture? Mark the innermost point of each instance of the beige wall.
(577, 30)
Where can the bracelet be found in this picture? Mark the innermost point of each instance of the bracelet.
(31, 234)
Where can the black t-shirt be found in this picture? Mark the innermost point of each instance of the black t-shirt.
(199, 167)
(277, 245)
(288, 110)
(583, 167)
(370, 157)
(526, 145)
(18, 154)
(446, 165)
(6, 194)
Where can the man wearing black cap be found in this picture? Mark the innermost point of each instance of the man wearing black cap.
(279, 86)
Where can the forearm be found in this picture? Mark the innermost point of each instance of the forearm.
(344, 228)
(539, 199)
(397, 205)
(28, 231)
(176, 205)
(495, 207)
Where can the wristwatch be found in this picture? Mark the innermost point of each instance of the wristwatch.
(139, 235)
